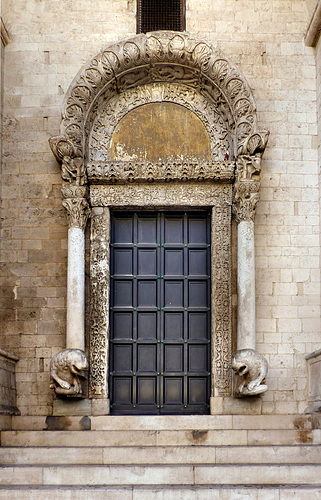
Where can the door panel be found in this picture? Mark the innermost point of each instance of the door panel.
(160, 313)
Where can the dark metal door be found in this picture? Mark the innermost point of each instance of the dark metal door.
(160, 313)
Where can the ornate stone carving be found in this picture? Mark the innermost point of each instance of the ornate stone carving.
(178, 58)
(159, 67)
(221, 299)
(72, 166)
(67, 371)
(76, 205)
(143, 172)
(253, 367)
(247, 182)
(156, 195)
(99, 302)
(213, 114)
(247, 187)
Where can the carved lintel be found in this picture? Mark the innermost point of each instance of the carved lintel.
(76, 204)
(71, 161)
(156, 196)
(253, 368)
(246, 187)
(68, 373)
(139, 172)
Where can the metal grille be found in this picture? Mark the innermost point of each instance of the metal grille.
(155, 15)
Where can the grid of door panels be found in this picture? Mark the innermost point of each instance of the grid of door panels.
(160, 313)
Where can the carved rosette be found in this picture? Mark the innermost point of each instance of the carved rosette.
(76, 205)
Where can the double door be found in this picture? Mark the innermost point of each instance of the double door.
(160, 313)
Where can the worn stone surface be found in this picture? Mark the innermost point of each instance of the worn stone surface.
(7, 387)
(252, 368)
(314, 371)
(68, 371)
(46, 51)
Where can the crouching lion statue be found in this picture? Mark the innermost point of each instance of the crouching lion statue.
(253, 367)
(67, 370)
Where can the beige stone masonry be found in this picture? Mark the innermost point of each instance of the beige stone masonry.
(46, 50)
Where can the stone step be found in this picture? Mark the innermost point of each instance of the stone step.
(165, 475)
(168, 422)
(127, 455)
(159, 493)
(160, 438)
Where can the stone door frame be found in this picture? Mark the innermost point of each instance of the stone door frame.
(222, 99)
(214, 197)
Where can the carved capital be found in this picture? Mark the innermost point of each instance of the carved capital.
(246, 187)
(68, 371)
(252, 367)
(76, 204)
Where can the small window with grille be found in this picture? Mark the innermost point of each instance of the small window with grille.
(155, 15)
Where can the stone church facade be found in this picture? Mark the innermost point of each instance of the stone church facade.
(110, 127)
(160, 249)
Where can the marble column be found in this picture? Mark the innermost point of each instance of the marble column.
(76, 205)
(246, 332)
(246, 195)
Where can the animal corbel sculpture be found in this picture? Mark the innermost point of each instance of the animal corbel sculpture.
(67, 372)
(253, 367)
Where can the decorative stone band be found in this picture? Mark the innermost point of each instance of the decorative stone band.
(179, 58)
(76, 204)
(142, 172)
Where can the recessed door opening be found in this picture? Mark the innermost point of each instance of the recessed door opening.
(160, 313)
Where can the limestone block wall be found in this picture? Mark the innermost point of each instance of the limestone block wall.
(50, 40)
(7, 384)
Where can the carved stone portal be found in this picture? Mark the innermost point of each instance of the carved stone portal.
(172, 71)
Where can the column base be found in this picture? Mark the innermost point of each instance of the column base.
(227, 405)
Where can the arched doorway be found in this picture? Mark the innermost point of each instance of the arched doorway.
(161, 122)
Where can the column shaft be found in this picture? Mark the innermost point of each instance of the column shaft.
(246, 331)
(75, 336)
